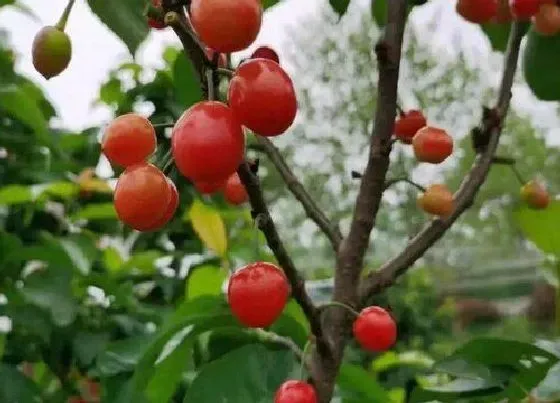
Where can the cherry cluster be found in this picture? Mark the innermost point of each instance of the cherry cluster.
(544, 14)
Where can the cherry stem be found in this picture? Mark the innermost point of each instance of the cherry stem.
(166, 161)
(225, 72)
(210, 83)
(61, 24)
(341, 305)
(392, 182)
(257, 244)
(303, 358)
(518, 175)
(400, 110)
(164, 125)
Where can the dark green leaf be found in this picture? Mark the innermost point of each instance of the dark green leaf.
(122, 356)
(186, 86)
(269, 3)
(87, 346)
(15, 387)
(256, 380)
(541, 227)
(125, 18)
(498, 35)
(379, 12)
(339, 6)
(359, 385)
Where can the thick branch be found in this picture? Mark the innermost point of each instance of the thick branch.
(311, 208)
(266, 225)
(464, 198)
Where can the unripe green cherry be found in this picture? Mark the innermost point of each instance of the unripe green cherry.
(52, 51)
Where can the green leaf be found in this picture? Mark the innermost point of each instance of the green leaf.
(293, 324)
(112, 259)
(15, 194)
(205, 280)
(16, 387)
(142, 261)
(87, 346)
(269, 3)
(392, 359)
(255, 381)
(100, 211)
(379, 12)
(186, 86)
(541, 227)
(339, 6)
(209, 226)
(359, 385)
(63, 190)
(125, 18)
(498, 35)
(20, 105)
(122, 356)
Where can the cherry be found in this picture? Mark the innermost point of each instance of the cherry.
(257, 294)
(141, 196)
(477, 11)
(234, 191)
(207, 188)
(168, 212)
(208, 142)
(262, 95)
(152, 22)
(293, 391)
(525, 9)
(535, 195)
(227, 26)
(437, 200)
(51, 51)
(375, 329)
(266, 52)
(129, 139)
(222, 59)
(547, 20)
(432, 145)
(408, 124)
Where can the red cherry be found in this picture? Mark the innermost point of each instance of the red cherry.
(222, 59)
(477, 11)
(152, 22)
(374, 329)
(227, 26)
(141, 196)
(128, 140)
(525, 9)
(266, 52)
(207, 188)
(262, 95)
(208, 142)
(168, 212)
(432, 145)
(293, 391)
(257, 294)
(408, 124)
(234, 191)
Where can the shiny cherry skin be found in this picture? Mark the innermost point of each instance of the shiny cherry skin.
(168, 212)
(375, 329)
(547, 21)
(257, 294)
(207, 142)
(524, 9)
(141, 196)
(535, 195)
(477, 11)
(262, 96)
(234, 191)
(227, 26)
(294, 391)
(432, 145)
(208, 188)
(408, 124)
(266, 52)
(437, 200)
(129, 139)
(153, 22)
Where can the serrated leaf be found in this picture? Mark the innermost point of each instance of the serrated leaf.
(125, 18)
(339, 6)
(209, 226)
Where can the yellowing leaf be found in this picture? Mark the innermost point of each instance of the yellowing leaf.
(209, 226)
(89, 183)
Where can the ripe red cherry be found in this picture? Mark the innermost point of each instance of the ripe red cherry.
(408, 124)
(525, 9)
(207, 188)
(168, 211)
(266, 52)
(207, 142)
(152, 22)
(257, 294)
(262, 96)
(234, 191)
(227, 26)
(293, 391)
(141, 196)
(129, 139)
(477, 11)
(432, 145)
(374, 329)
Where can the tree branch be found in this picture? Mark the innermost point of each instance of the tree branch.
(378, 281)
(313, 211)
(266, 225)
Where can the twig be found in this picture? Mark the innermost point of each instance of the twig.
(267, 226)
(225, 72)
(394, 181)
(283, 341)
(313, 211)
(378, 281)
